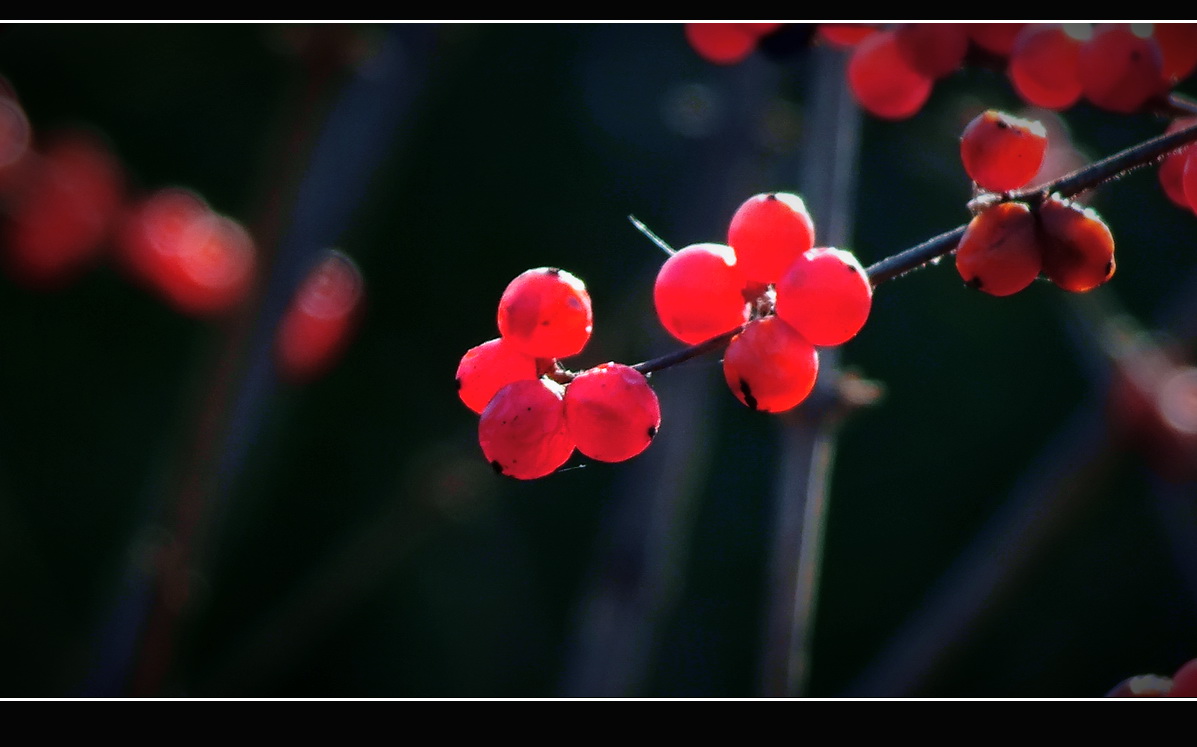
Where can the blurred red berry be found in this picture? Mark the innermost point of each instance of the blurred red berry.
(63, 212)
(884, 84)
(318, 323)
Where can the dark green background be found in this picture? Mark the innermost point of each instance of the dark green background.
(362, 547)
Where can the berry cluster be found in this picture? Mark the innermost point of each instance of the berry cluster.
(1007, 245)
(769, 288)
(67, 202)
(1119, 67)
(534, 413)
(769, 281)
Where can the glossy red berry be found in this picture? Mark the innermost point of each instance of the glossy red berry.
(933, 49)
(698, 293)
(1002, 152)
(1121, 68)
(612, 412)
(881, 80)
(825, 296)
(1044, 66)
(769, 366)
(1000, 252)
(768, 232)
(487, 368)
(1078, 248)
(721, 43)
(318, 323)
(546, 313)
(522, 431)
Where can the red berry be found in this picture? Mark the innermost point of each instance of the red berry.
(210, 267)
(997, 38)
(612, 412)
(1121, 69)
(769, 366)
(1178, 45)
(1044, 66)
(1172, 167)
(1078, 248)
(1188, 177)
(1000, 252)
(883, 83)
(768, 232)
(846, 35)
(697, 293)
(721, 43)
(546, 313)
(487, 368)
(1002, 152)
(825, 296)
(1184, 682)
(522, 431)
(316, 326)
(933, 49)
(150, 231)
(62, 215)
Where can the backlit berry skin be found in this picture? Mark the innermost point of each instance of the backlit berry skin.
(317, 325)
(1078, 248)
(769, 366)
(1120, 70)
(612, 412)
(825, 296)
(721, 43)
(523, 432)
(546, 313)
(697, 293)
(768, 232)
(881, 80)
(1044, 66)
(487, 368)
(1002, 152)
(1000, 250)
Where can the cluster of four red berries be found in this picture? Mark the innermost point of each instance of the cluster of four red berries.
(533, 412)
(786, 296)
